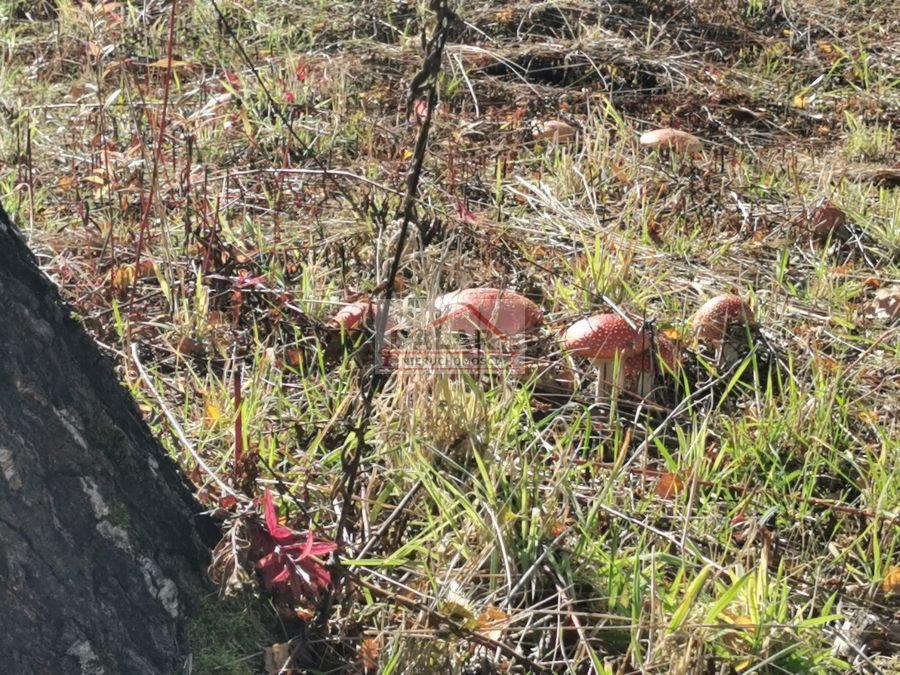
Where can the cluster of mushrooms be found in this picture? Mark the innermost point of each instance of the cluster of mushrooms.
(625, 355)
(621, 351)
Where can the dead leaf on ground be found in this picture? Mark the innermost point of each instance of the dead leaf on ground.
(492, 622)
(122, 278)
(189, 346)
(211, 415)
(891, 583)
(146, 269)
(164, 63)
(456, 605)
(668, 486)
(369, 652)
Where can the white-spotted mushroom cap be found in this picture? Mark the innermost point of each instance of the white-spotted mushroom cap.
(641, 370)
(712, 320)
(500, 312)
(603, 337)
(674, 139)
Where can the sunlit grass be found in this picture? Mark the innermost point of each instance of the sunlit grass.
(543, 521)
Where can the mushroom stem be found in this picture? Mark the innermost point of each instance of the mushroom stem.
(611, 379)
(642, 384)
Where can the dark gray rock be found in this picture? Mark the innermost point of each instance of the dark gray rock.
(100, 562)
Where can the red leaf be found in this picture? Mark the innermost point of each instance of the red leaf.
(465, 215)
(289, 565)
(280, 533)
(244, 280)
(420, 110)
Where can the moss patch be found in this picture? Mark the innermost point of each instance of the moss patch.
(228, 636)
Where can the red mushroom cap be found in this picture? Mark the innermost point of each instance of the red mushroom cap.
(669, 352)
(638, 364)
(501, 312)
(827, 219)
(643, 362)
(672, 138)
(603, 336)
(711, 321)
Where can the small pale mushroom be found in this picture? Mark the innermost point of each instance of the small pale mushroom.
(603, 339)
(671, 139)
(555, 130)
(502, 313)
(719, 324)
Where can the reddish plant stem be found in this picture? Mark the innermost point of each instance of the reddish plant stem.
(157, 154)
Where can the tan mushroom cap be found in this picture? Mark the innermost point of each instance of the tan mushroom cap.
(712, 320)
(675, 139)
(352, 317)
(602, 337)
(489, 310)
(355, 316)
(557, 130)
